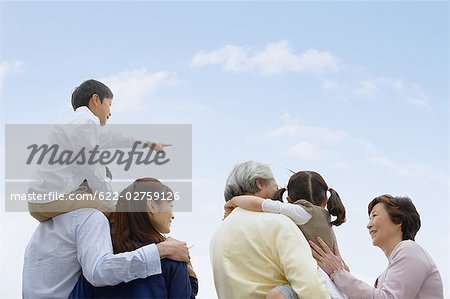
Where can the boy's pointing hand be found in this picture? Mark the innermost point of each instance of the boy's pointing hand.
(158, 147)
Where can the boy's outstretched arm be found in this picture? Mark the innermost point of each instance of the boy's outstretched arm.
(158, 147)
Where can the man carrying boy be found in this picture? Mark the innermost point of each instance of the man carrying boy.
(75, 238)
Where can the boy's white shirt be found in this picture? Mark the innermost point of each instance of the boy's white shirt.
(84, 130)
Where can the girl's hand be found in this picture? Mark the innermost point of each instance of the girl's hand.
(228, 208)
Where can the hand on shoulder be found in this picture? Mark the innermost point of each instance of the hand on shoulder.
(174, 250)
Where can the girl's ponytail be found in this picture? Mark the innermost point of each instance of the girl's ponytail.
(336, 208)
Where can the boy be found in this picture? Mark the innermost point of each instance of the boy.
(91, 102)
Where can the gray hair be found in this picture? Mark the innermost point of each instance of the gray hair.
(242, 179)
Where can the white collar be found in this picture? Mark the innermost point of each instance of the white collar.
(86, 113)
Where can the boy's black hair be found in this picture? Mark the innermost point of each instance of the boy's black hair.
(82, 94)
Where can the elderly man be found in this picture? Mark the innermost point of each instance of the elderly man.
(252, 252)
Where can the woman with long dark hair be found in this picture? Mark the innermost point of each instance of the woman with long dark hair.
(143, 214)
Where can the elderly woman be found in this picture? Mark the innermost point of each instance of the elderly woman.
(411, 273)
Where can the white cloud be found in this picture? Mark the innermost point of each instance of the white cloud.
(308, 150)
(330, 84)
(308, 142)
(367, 88)
(343, 150)
(366, 147)
(341, 166)
(9, 67)
(415, 171)
(409, 92)
(321, 143)
(132, 88)
(293, 129)
(276, 58)
(136, 100)
(381, 88)
(232, 58)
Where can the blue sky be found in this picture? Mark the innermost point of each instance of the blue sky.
(357, 91)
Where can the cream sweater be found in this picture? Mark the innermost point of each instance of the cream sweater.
(253, 252)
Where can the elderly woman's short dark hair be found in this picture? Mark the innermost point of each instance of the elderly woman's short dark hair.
(402, 211)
